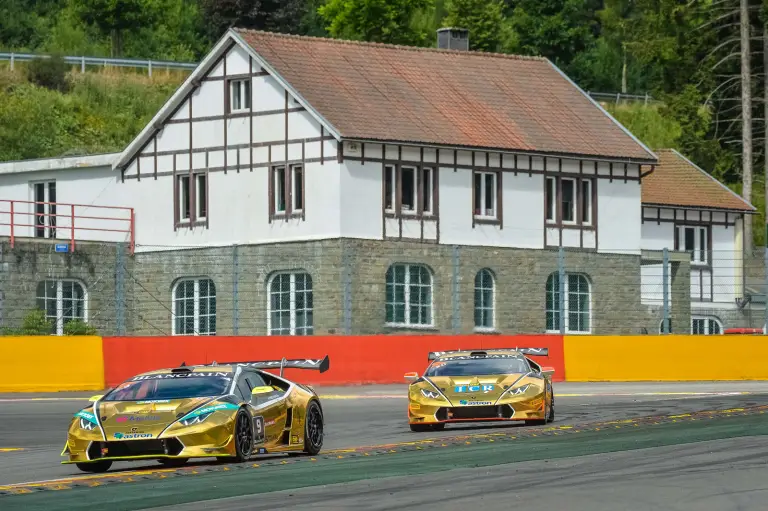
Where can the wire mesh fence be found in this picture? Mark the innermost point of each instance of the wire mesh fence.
(366, 287)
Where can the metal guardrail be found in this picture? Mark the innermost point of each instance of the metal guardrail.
(102, 62)
(618, 97)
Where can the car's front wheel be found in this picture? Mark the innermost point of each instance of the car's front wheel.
(95, 467)
(243, 437)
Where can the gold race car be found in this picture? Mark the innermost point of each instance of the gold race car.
(229, 411)
(481, 385)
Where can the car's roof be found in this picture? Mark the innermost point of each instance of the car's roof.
(510, 353)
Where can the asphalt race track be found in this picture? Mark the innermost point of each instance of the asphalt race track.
(726, 470)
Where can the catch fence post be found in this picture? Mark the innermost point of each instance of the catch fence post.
(455, 298)
(561, 287)
(235, 296)
(120, 289)
(665, 290)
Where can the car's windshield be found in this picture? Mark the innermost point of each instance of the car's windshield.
(477, 366)
(159, 388)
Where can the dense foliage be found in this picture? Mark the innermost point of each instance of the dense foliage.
(684, 53)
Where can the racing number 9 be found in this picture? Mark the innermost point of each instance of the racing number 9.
(258, 429)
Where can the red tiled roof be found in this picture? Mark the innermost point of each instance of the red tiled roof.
(676, 181)
(392, 93)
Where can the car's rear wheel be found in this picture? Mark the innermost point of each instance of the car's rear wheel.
(173, 462)
(313, 429)
(94, 467)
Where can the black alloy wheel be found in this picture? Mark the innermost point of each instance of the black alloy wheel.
(313, 429)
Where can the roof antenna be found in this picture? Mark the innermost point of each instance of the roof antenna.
(183, 364)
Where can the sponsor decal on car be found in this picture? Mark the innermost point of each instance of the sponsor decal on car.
(132, 436)
(473, 388)
(153, 401)
(138, 418)
(167, 376)
(209, 409)
(475, 403)
(87, 416)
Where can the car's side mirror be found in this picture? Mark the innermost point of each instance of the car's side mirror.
(260, 391)
(411, 377)
(93, 399)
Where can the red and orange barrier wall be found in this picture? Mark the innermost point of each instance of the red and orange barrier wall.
(44, 364)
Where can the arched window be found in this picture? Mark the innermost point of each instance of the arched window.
(578, 298)
(290, 304)
(194, 307)
(484, 300)
(409, 295)
(63, 300)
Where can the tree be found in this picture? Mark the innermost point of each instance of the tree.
(483, 18)
(113, 17)
(286, 16)
(381, 21)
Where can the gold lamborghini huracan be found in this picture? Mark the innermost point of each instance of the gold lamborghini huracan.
(481, 385)
(229, 411)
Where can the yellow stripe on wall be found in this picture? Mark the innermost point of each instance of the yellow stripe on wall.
(665, 358)
(51, 363)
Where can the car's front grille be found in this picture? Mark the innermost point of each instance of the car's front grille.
(166, 446)
(475, 412)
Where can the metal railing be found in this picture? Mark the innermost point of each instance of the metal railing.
(48, 221)
(619, 97)
(149, 65)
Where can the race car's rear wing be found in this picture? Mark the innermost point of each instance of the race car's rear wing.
(321, 365)
(542, 352)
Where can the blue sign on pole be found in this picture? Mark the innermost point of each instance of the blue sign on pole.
(62, 247)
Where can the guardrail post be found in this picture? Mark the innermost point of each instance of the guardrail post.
(235, 301)
(149, 68)
(12, 233)
(665, 291)
(561, 287)
(82, 64)
(120, 289)
(12, 61)
(455, 301)
(72, 228)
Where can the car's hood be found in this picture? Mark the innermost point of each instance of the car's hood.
(474, 388)
(128, 420)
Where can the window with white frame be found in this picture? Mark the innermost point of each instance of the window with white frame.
(568, 200)
(484, 300)
(706, 326)
(63, 301)
(577, 303)
(184, 198)
(191, 197)
(194, 307)
(695, 241)
(45, 209)
(290, 304)
(239, 95)
(287, 189)
(485, 191)
(416, 187)
(409, 295)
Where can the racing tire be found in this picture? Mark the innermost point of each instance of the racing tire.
(313, 428)
(420, 428)
(173, 462)
(549, 412)
(243, 438)
(95, 467)
(551, 416)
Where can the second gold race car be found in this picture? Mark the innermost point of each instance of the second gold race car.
(481, 385)
(228, 411)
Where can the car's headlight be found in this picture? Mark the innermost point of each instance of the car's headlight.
(195, 420)
(519, 390)
(430, 394)
(86, 424)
